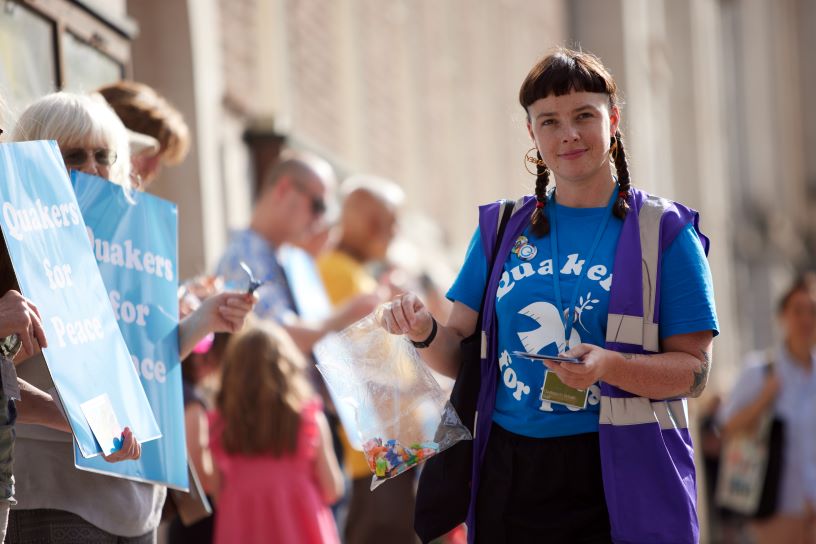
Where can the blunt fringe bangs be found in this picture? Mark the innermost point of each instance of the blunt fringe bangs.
(565, 71)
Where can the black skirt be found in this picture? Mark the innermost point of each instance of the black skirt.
(541, 490)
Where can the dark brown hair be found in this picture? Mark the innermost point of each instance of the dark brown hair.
(559, 73)
(263, 389)
(143, 110)
(805, 283)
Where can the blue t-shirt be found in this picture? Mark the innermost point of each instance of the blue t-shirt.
(528, 317)
(274, 298)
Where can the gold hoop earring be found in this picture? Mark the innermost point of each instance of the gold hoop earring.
(535, 160)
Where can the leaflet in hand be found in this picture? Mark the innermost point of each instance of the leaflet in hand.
(542, 357)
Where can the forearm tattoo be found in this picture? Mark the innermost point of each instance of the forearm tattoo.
(701, 375)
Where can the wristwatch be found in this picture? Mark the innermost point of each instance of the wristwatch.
(427, 342)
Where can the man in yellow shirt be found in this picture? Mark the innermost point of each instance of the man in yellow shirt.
(368, 224)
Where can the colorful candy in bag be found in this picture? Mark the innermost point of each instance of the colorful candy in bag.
(389, 458)
(401, 415)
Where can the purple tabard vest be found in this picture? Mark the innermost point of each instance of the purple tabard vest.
(646, 451)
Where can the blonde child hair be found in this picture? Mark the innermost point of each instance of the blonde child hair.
(263, 390)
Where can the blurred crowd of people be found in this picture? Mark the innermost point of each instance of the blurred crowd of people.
(263, 436)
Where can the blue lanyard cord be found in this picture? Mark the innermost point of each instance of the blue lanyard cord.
(569, 318)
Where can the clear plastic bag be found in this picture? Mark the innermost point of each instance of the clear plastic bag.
(402, 416)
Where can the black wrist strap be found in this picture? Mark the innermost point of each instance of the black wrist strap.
(427, 342)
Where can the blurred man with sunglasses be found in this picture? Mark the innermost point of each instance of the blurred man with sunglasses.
(290, 206)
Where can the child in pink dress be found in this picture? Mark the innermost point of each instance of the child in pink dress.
(271, 443)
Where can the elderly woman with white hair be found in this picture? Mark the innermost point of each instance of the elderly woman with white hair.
(91, 137)
(55, 501)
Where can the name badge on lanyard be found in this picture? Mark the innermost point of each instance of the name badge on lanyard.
(554, 390)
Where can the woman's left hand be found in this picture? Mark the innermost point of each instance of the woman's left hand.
(192, 292)
(595, 363)
(226, 312)
(130, 450)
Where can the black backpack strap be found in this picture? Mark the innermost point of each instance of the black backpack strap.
(505, 212)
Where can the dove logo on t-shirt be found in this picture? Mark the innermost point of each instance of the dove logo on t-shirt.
(532, 320)
(550, 329)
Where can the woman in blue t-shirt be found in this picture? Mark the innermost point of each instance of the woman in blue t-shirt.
(540, 473)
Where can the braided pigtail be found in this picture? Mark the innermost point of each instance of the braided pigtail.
(540, 225)
(621, 206)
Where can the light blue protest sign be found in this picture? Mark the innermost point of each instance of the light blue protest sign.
(134, 241)
(308, 292)
(48, 244)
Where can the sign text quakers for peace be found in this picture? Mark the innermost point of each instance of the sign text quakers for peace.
(41, 217)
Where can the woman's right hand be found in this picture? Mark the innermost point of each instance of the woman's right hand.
(225, 312)
(406, 314)
(747, 418)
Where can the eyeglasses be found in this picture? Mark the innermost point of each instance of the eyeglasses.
(77, 157)
(317, 202)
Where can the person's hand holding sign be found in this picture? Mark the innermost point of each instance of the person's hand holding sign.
(19, 316)
(130, 450)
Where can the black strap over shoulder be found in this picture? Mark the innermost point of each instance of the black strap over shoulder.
(443, 493)
(504, 217)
